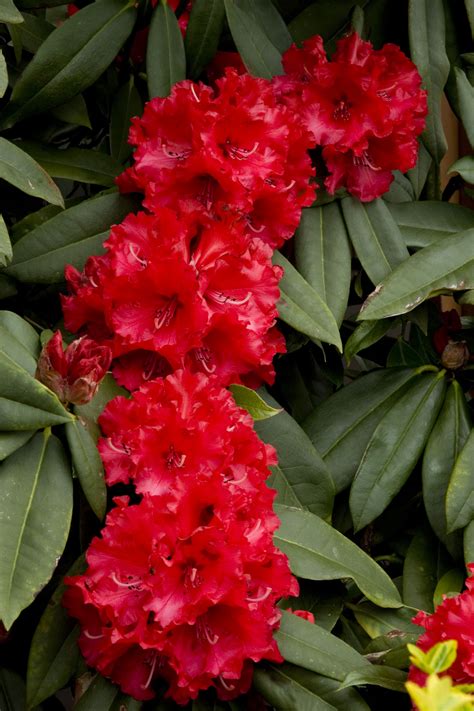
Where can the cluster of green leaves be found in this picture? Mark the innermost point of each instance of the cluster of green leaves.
(373, 431)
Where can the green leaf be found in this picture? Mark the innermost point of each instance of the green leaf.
(19, 341)
(165, 57)
(33, 31)
(5, 244)
(19, 169)
(469, 543)
(82, 165)
(467, 297)
(423, 223)
(341, 427)
(9, 13)
(3, 75)
(386, 677)
(35, 515)
(301, 478)
(126, 104)
(448, 437)
(365, 335)
(319, 552)
(87, 465)
(465, 168)
(460, 494)
(71, 58)
(375, 236)
(376, 621)
(12, 691)
(401, 190)
(324, 18)
(54, 653)
(419, 174)
(426, 29)
(11, 441)
(258, 53)
(202, 34)
(73, 111)
(465, 102)
(287, 687)
(67, 238)
(451, 583)
(394, 448)
(252, 402)
(447, 264)
(323, 256)
(7, 287)
(270, 21)
(301, 307)
(420, 571)
(101, 695)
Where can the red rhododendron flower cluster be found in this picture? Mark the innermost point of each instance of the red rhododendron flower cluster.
(365, 108)
(453, 619)
(183, 585)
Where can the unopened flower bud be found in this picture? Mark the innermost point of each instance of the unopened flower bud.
(455, 355)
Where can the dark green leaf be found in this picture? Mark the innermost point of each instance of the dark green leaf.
(12, 691)
(418, 175)
(465, 102)
(287, 686)
(401, 190)
(447, 438)
(87, 465)
(5, 244)
(33, 31)
(101, 695)
(9, 13)
(3, 75)
(340, 428)
(7, 287)
(395, 447)
(366, 334)
(19, 341)
(402, 354)
(79, 164)
(324, 18)
(126, 104)
(451, 583)
(71, 58)
(460, 494)
(447, 264)
(465, 168)
(319, 552)
(423, 223)
(375, 235)
(421, 570)
(469, 543)
(11, 441)
(165, 57)
(426, 28)
(252, 402)
(386, 677)
(203, 33)
(376, 621)
(258, 53)
(323, 256)
(74, 112)
(270, 21)
(301, 307)
(19, 169)
(67, 238)
(35, 515)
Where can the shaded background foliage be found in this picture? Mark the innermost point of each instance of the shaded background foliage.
(375, 443)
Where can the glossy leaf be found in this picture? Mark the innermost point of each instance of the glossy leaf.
(375, 236)
(423, 223)
(323, 18)
(258, 53)
(79, 164)
(3, 75)
(101, 695)
(126, 104)
(323, 256)
(301, 307)
(35, 515)
(269, 19)
(376, 621)
(20, 170)
(319, 552)
(9, 13)
(88, 466)
(418, 175)
(20, 331)
(460, 494)
(426, 29)
(202, 34)
(340, 428)
(301, 478)
(451, 583)
(73, 111)
(165, 57)
(386, 677)
(394, 448)
(12, 691)
(5, 244)
(465, 102)
(447, 264)
(252, 402)
(465, 168)
(447, 439)
(11, 441)
(71, 58)
(365, 335)
(469, 543)
(67, 238)
(286, 686)
(420, 571)
(33, 31)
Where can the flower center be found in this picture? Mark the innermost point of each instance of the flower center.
(342, 110)
(204, 359)
(174, 459)
(166, 313)
(364, 161)
(237, 152)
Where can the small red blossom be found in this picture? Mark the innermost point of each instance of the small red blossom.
(304, 614)
(75, 373)
(453, 619)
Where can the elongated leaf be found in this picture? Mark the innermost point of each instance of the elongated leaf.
(288, 686)
(3, 75)
(447, 264)
(319, 552)
(80, 164)
(165, 57)
(386, 677)
(202, 34)
(301, 307)
(302, 475)
(258, 53)
(101, 695)
(33, 32)
(365, 335)
(460, 494)
(71, 58)
(401, 190)
(20, 170)
(395, 447)
(252, 402)
(340, 428)
(465, 102)
(323, 256)
(465, 168)
(269, 19)
(11, 441)
(126, 104)
(375, 236)
(426, 29)
(35, 515)
(469, 543)
(67, 238)
(13, 345)
(376, 621)
(447, 438)
(73, 111)
(21, 331)
(421, 570)
(418, 175)
(12, 691)
(324, 18)
(9, 13)
(423, 223)
(5, 244)
(87, 465)
(451, 583)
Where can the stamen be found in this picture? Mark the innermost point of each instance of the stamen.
(212, 639)
(227, 687)
(91, 280)
(342, 112)
(257, 230)
(363, 160)
(121, 450)
(238, 481)
(241, 153)
(289, 186)
(130, 584)
(135, 254)
(194, 94)
(192, 575)
(93, 636)
(175, 155)
(150, 675)
(203, 356)
(166, 313)
(260, 598)
(167, 561)
(223, 299)
(255, 529)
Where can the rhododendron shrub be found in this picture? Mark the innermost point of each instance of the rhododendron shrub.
(236, 386)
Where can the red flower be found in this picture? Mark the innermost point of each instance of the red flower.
(304, 614)
(73, 374)
(453, 619)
